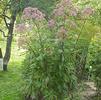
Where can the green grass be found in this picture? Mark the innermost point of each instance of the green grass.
(11, 81)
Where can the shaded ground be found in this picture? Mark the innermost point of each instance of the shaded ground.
(89, 91)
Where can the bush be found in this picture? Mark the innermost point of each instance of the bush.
(48, 68)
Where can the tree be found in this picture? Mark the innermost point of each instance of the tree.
(8, 14)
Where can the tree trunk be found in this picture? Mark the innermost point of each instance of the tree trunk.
(1, 53)
(9, 41)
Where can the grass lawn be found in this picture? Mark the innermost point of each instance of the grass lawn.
(11, 81)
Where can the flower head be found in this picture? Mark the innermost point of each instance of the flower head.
(32, 13)
(58, 11)
(87, 11)
(22, 41)
(73, 12)
(21, 27)
(66, 2)
(62, 7)
(51, 23)
(62, 33)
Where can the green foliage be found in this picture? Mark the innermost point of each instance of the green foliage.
(97, 72)
(10, 83)
(50, 64)
(0, 37)
(94, 60)
(48, 68)
(87, 33)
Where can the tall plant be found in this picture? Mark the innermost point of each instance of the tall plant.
(49, 67)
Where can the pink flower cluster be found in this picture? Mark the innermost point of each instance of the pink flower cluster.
(60, 7)
(62, 30)
(62, 33)
(66, 2)
(73, 12)
(58, 11)
(51, 23)
(65, 7)
(32, 13)
(87, 11)
(22, 41)
(21, 28)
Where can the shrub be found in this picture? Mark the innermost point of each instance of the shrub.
(49, 67)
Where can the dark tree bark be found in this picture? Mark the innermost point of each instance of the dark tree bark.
(1, 53)
(9, 41)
